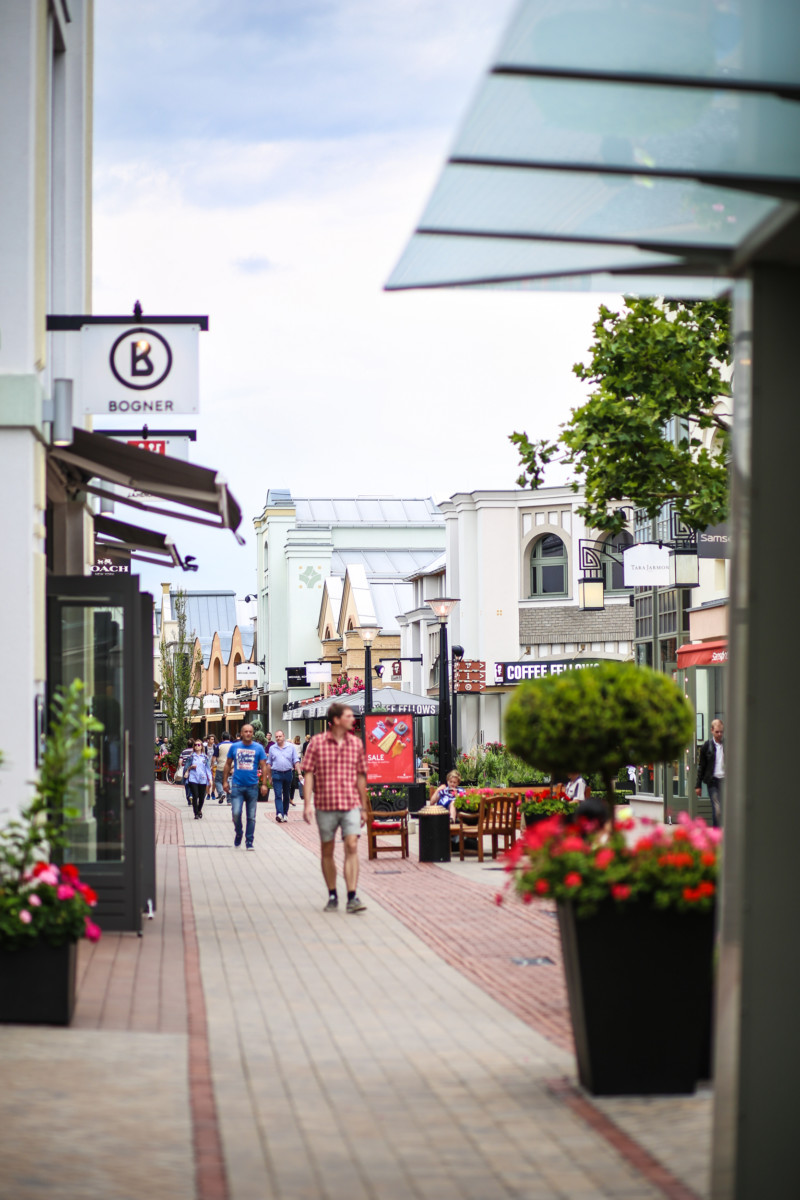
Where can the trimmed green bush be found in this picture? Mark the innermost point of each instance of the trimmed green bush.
(599, 719)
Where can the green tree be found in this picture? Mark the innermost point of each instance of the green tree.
(599, 719)
(180, 677)
(654, 361)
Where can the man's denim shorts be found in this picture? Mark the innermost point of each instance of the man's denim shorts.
(346, 819)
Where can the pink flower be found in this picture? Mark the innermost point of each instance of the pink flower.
(603, 858)
(93, 931)
(620, 891)
(714, 836)
(25, 916)
(65, 891)
(34, 900)
(49, 876)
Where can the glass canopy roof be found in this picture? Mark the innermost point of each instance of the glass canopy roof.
(617, 137)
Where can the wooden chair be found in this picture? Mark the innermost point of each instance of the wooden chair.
(501, 821)
(386, 824)
(464, 831)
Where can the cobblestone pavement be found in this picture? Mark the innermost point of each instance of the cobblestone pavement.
(250, 1047)
(351, 1059)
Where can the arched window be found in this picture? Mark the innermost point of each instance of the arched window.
(327, 633)
(549, 567)
(350, 626)
(613, 575)
(217, 674)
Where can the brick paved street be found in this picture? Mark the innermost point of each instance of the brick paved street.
(250, 1047)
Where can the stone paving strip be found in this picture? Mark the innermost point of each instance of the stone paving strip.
(350, 1059)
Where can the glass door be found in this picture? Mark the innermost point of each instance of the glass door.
(95, 632)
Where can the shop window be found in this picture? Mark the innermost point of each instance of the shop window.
(613, 574)
(549, 567)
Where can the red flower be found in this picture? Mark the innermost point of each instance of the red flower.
(498, 899)
(680, 835)
(706, 888)
(92, 931)
(572, 879)
(691, 894)
(620, 891)
(541, 887)
(572, 845)
(526, 897)
(708, 858)
(645, 843)
(603, 858)
(39, 868)
(88, 893)
(69, 873)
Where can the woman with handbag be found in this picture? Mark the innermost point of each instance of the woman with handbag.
(199, 777)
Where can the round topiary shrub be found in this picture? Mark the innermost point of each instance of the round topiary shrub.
(599, 719)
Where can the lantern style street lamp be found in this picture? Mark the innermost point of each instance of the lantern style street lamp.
(442, 606)
(368, 633)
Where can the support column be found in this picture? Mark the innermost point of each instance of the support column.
(758, 1028)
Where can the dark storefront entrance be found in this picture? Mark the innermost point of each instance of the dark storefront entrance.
(100, 630)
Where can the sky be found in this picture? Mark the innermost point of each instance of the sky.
(264, 162)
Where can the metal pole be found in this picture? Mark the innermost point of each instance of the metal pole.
(445, 745)
(367, 677)
(455, 713)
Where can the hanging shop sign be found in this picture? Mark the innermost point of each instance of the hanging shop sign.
(296, 677)
(140, 368)
(646, 565)
(246, 671)
(714, 542)
(318, 673)
(390, 748)
(211, 702)
(248, 706)
(517, 672)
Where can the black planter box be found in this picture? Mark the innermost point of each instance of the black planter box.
(639, 984)
(37, 984)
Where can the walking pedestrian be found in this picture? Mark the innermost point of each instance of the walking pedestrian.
(183, 763)
(282, 757)
(335, 787)
(246, 763)
(198, 774)
(226, 741)
(711, 769)
(297, 777)
(212, 757)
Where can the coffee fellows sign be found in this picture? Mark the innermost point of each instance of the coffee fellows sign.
(517, 672)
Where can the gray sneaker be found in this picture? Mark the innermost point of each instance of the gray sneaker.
(356, 905)
(332, 905)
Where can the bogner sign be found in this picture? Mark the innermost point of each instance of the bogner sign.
(139, 369)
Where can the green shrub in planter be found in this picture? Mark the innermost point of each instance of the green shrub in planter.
(599, 719)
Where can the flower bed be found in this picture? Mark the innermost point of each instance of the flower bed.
(49, 904)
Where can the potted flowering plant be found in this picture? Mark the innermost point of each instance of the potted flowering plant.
(470, 802)
(45, 908)
(637, 927)
(535, 808)
(636, 921)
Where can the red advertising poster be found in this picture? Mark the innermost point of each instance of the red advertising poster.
(390, 747)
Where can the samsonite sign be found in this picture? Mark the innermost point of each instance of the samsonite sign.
(139, 369)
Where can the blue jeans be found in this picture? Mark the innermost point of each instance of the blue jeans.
(241, 795)
(282, 782)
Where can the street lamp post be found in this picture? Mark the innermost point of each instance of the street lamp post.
(368, 633)
(442, 606)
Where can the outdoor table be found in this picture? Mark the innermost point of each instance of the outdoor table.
(434, 833)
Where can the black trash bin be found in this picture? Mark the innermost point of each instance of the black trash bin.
(417, 797)
(434, 834)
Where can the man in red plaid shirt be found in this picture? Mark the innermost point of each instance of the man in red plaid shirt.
(335, 779)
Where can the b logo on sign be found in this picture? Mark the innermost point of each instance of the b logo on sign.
(140, 359)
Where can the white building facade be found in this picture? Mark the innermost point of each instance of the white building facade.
(300, 543)
(512, 559)
(45, 267)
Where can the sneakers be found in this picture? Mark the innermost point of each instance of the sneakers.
(250, 847)
(332, 905)
(356, 905)
(237, 841)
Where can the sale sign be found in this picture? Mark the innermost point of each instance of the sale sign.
(390, 747)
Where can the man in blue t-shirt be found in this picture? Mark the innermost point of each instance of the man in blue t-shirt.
(247, 764)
